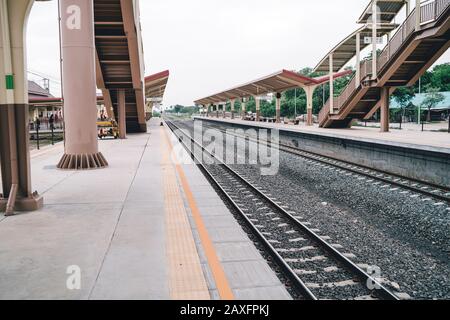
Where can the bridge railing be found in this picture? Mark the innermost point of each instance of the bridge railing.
(428, 13)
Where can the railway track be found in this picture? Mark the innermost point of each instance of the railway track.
(314, 267)
(438, 192)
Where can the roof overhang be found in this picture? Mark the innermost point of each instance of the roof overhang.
(155, 85)
(346, 49)
(388, 10)
(275, 83)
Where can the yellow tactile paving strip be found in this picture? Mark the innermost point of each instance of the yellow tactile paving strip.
(190, 278)
(186, 279)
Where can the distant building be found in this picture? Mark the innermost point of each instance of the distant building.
(438, 112)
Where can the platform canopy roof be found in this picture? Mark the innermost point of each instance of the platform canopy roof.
(155, 85)
(346, 49)
(275, 83)
(389, 9)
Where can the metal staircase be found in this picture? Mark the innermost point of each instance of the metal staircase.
(407, 56)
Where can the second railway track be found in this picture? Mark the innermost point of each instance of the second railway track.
(438, 192)
(313, 266)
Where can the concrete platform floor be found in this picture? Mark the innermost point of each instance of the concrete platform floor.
(411, 138)
(143, 228)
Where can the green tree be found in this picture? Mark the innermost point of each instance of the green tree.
(432, 98)
(403, 97)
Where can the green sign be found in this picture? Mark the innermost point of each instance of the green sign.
(9, 81)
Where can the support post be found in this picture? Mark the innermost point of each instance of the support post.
(309, 104)
(417, 15)
(331, 84)
(407, 8)
(258, 108)
(232, 101)
(224, 110)
(278, 108)
(358, 60)
(374, 39)
(15, 174)
(384, 122)
(243, 108)
(79, 87)
(216, 108)
(121, 106)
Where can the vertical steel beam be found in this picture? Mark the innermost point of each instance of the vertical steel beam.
(358, 60)
(374, 39)
(384, 124)
(331, 83)
(121, 108)
(418, 14)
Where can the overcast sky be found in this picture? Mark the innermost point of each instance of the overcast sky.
(212, 45)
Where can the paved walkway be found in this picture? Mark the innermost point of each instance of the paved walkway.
(143, 228)
(415, 139)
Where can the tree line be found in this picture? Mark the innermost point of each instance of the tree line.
(293, 102)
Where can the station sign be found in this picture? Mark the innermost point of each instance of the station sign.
(368, 40)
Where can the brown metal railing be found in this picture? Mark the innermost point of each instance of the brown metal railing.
(428, 13)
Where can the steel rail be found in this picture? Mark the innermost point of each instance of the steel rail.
(344, 166)
(347, 263)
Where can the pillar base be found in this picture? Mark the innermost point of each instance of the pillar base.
(82, 161)
(258, 115)
(32, 203)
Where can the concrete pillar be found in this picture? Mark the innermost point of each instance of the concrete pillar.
(278, 108)
(418, 15)
(17, 194)
(258, 108)
(358, 60)
(331, 84)
(407, 8)
(232, 101)
(121, 109)
(374, 39)
(384, 124)
(224, 110)
(243, 108)
(216, 108)
(79, 86)
(309, 104)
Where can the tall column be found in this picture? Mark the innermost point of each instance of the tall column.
(216, 107)
(278, 108)
(258, 108)
(331, 83)
(79, 86)
(374, 39)
(384, 124)
(418, 15)
(17, 194)
(309, 104)
(358, 60)
(121, 108)
(224, 110)
(243, 108)
(232, 101)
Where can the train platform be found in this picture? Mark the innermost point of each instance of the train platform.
(431, 141)
(146, 227)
